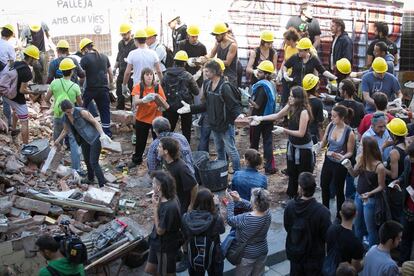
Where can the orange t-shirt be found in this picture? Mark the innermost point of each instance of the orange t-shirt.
(149, 111)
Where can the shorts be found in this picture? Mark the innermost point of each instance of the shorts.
(166, 265)
(20, 109)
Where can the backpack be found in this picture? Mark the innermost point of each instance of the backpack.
(176, 90)
(8, 81)
(74, 250)
(299, 238)
(201, 249)
(332, 261)
(236, 92)
(169, 58)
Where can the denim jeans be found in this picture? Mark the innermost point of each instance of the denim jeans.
(225, 143)
(204, 143)
(251, 267)
(350, 189)
(74, 147)
(91, 155)
(7, 112)
(365, 220)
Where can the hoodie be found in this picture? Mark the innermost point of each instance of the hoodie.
(197, 222)
(319, 220)
(189, 87)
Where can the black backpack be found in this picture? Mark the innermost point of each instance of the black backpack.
(176, 90)
(236, 93)
(299, 238)
(169, 58)
(201, 249)
(74, 250)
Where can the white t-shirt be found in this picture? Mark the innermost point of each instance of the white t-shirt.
(6, 51)
(161, 52)
(141, 58)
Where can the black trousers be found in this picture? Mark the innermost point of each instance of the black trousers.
(294, 170)
(335, 173)
(120, 105)
(306, 268)
(141, 131)
(186, 120)
(264, 130)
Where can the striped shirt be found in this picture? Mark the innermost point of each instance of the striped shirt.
(250, 228)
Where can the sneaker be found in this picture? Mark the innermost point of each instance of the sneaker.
(284, 171)
(133, 139)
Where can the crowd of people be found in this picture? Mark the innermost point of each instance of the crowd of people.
(367, 163)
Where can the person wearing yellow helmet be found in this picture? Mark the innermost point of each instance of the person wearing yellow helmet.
(62, 49)
(159, 48)
(265, 51)
(7, 52)
(99, 81)
(125, 46)
(302, 63)
(310, 84)
(264, 103)
(395, 166)
(37, 34)
(226, 49)
(179, 85)
(194, 49)
(60, 89)
(179, 31)
(379, 80)
(18, 104)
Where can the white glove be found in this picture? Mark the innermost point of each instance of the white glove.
(347, 164)
(125, 91)
(185, 109)
(325, 114)
(149, 98)
(317, 148)
(279, 76)
(245, 92)
(278, 130)
(255, 120)
(353, 74)
(241, 116)
(105, 138)
(191, 62)
(398, 102)
(255, 73)
(287, 78)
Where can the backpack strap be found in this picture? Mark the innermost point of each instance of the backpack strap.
(141, 90)
(52, 271)
(156, 88)
(66, 91)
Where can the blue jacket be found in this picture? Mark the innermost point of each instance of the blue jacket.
(343, 48)
(245, 180)
(270, 93)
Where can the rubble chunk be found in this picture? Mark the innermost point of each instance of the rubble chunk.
(31, 204)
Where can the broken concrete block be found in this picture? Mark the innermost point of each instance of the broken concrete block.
(32, 205)
(13, 165)
(83, 216)
(5, 206)
(16, 212)
(99, 196)
(75, 230)
(122, 117)
(39, 219)
(55, 210)
(20, 222)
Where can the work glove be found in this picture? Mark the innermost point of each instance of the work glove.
(125, 91)
(240, 117)
(192, 62)
(245, 92)
(105, 139)
(185, 109)
(255, 120)
(353, 75)
(398, 102)
(347, 164)
(287, 78)
(325, 114)
(277, 130)
(112, 86)
(255, 73)
(149, 98)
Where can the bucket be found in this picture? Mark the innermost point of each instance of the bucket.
(37, 151)
(214, 174)
(198, 158)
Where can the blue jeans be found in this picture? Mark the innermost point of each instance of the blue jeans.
(365, 220)
(91, 155)
(203, 144)
(7, 112)
(225, 143)
(350, 190)
(74, 147)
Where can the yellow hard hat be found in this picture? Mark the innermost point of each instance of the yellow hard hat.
(304, 44)
(9, 27)
(379, 65)
(309, 81)
(267, 36)
(193, 30)
(124, 28)
(35, 27)
(266, 66)
(84, 41)
(219, 28)
(150, 31)
(140, 34)
(397, 127)
(221, 63)
(181, 55)
(32, 51)
(62, 44)
(344, 66)
(66, 64)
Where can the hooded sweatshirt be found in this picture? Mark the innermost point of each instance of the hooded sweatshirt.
(197, 222)
(319, 219)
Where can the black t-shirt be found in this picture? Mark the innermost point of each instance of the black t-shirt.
(300, 69)
(359, 111)
(312, 28)
(123, 51)
(196, 50)
(38, 39)
(317, 113)
(24, 74)
(392, 47)
(349, 246)
(169, 220)
(260, 98)
(96, 67)
(184, 181)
